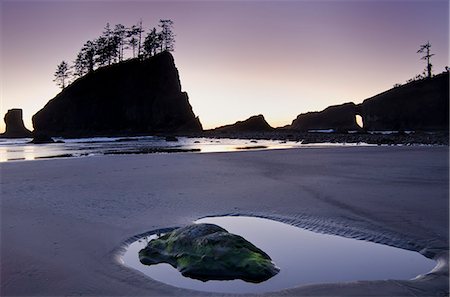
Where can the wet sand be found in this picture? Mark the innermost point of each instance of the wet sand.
(64, 221)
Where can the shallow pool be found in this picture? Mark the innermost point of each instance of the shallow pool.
(304, 257)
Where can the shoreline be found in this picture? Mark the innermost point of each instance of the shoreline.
(64, 219)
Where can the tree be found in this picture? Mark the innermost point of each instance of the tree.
(167, 35)
(133, 42)
(62, 74)
(425, 48)
(119, 36)
(139, 32)
(84, 63)
(151, 43)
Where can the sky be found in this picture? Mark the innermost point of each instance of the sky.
(235, 58)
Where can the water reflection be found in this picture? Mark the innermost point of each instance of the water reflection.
(304, 257)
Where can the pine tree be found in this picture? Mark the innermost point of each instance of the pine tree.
(151, 43)
(62, 74)
(167, 35)
(425, 48)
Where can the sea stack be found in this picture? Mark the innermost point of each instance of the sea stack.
(129, 98)
(252, 124)
(14, 125)
(339, 118)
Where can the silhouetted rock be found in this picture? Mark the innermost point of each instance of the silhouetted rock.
(131, 97)
(252, 124)
(41, 139)
(209, 252)
(337, 117)
(14, 125)
(420, 106)
(171, 139)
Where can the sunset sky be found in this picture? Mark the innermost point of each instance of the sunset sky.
(235, 58)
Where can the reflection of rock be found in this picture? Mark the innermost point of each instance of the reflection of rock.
(14, 125)
(128, 98)
(209, 252)
(252, 124)
(337, 117)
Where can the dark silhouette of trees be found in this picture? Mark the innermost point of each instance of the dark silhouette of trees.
(85, 61)
(62, 74)
(119, 36)
(110, 48)
(167, 37)
(133, 39)
(151, 43)
(425, 49)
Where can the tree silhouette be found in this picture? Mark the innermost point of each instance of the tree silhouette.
(119, 36)
(425, 48)
(133, 39)
(151, 43)
(166, 35)
(139, 32)
(62, 74)
(85, 62)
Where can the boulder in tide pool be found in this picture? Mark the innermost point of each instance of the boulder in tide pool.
(209, 252)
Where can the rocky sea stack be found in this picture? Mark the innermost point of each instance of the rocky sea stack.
(252, 124)
(129, 98)
(14, 125)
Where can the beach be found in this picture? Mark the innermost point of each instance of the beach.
(64, 222)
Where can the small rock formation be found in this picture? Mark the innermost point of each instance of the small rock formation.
(253, 124)
(338, 118)
(42, 139)
(208, 252)
(129, 98)
(14, 125)
(419, 106)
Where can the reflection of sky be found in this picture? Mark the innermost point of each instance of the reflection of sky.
(235, 58)
(304, 257)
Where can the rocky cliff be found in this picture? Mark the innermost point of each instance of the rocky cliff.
(338, 118)
(132, 97)
(14, 125)
(253, 124)
(420, 106)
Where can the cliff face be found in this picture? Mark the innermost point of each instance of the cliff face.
(338, 117)
(132, 97)
(253, 124)
(14, 125)
(421, 105)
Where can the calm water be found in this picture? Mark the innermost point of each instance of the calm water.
(21, 149)
(304, 257)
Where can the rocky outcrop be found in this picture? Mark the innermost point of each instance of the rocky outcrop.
(131, 97)
(14, 125)
(338, 118)
(420, 106)
(209, 252)
(253, 124)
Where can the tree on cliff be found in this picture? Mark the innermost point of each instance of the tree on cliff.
(85, 60)
(425, 48)
(151, 43)
(62, 74)
(167, 35)
(119, 36)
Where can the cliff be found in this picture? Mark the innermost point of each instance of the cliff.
(14, 125)
(131, 97)
(338, 117)
(253, 124)
(420, 106)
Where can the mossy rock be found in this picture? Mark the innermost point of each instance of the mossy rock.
(209, 252)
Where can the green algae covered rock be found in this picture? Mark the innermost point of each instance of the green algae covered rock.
(209, 252)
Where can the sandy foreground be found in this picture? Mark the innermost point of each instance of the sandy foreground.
(64, 221)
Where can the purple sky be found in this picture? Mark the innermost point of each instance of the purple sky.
(236, 58)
